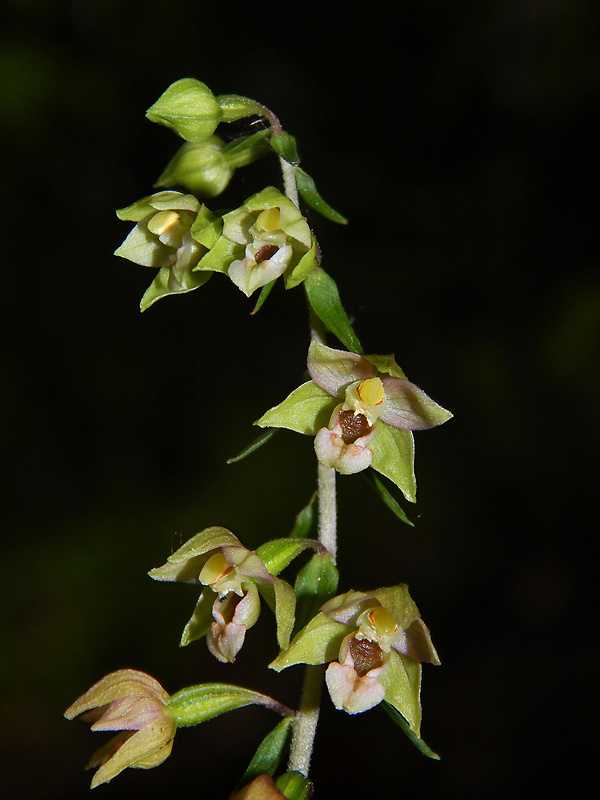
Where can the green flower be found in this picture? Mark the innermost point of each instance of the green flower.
(266, 238)
(362, 411)
(173, 232)
(136, 704)
(235, 578)
(375, 643)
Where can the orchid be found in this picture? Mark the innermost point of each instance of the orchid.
(172, 233)
(265, 238)
(136, 704)
(234, 579)
(362, 411)
(374, 642)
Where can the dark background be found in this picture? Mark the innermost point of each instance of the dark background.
(460, 141)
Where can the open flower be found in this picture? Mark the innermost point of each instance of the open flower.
(265, 238)
(235, 578)
(172, 233)
(375, 643)
(362, 411)
(134, 703)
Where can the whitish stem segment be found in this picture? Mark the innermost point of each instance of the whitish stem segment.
(305, 723)
(327, 509)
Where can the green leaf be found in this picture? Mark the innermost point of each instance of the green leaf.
(284, 145)
(389, 500)
(308, 192)
(264, 293)
(316, 583)
(403, 724)
(278, 553)
(189, 108)
(196, 704)
(306, 520)
(237, 147)
(258, 442)
(294, 786)
(394, 456)
(269, 752)
(324, 299)
(306, 410)
(234, 107)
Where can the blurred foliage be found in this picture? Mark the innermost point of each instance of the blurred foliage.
(477, 218)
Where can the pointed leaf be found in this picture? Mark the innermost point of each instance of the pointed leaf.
(306, 520)
(264, 293)
(394, 456)
(324, 298)
(278, 553)
(284, 145)
(270, 751)
(389, 500)
(308, 192)
(316, 583)
(306, 410)
(403, 724)
(258, 442)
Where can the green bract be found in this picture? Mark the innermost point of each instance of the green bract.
(374, 642)
(189, 108)
(265, 238)
(362, 411)
(172, 233)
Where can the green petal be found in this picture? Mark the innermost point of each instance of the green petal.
(220, 256)
(199, 623)
(161, 286)
(307, 409)
(142, 247)
(394, 456)
(307, 264)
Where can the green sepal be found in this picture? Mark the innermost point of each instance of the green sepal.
(394, 457)
(386, 365)
(294, 786)
(284, 145)
(405, 727)
(324, 299)
(164, 285)
(308, 192)
(234, 107)
(278, 553)
(316, 583)
(184, 564)
(281, 599)
(201, 167)
(253, 446)
(220, 256)
(196, 704)
(303, 268)
(317, 643)
(306, 410)
(199, 623)
(387, 497)
(142, 247)
(189, 108)
(270, 752)
(402, 681)
(206, 228)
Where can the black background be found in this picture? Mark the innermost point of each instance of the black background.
(460, 141)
